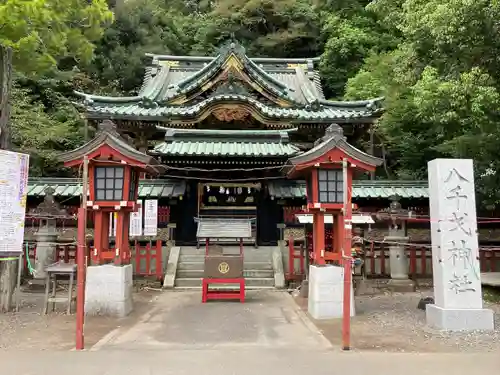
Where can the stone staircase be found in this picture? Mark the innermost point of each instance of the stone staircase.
(258, 267)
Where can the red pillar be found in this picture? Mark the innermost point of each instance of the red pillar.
(122, 237)
(338, 233)
(346, 315)
(81, 249)
(318, 237)
(101, 234)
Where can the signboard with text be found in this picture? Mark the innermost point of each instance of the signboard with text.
(14, 169)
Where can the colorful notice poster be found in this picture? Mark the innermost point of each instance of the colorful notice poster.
(136, 222)
(150, 217)
(14, 169)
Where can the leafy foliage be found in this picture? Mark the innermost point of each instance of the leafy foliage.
(42, 131)
(441, 86)
(287, 28)
(50, 38)
(435, 62)
(45, 32)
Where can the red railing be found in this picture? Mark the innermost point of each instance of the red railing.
(293, 254)
(420, 260)
(376, 259)
(147, 259)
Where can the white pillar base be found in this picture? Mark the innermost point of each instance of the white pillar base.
(108, 290)
(326, 292)
(459, 319)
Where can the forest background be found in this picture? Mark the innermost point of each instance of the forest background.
(436, 62)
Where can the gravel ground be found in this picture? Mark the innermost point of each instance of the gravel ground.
(29, 329)
(391, 322)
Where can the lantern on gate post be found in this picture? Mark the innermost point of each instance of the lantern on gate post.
(328, 170)
(113, 169)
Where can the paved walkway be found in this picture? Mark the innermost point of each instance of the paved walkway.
(262, 361)
(267, 335)
(268, 319)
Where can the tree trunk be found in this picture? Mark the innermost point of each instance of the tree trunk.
(5, 87)
(8, 269)
(8, 281)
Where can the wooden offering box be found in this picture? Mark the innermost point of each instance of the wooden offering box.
(223, 268)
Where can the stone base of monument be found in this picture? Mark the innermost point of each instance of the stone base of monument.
(459, 319)
(326, 292)
(401, 285)
(304, 289)
(108, 290)
(365, 288)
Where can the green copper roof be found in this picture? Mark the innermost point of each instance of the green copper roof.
(339, 112)
(230, 143)
(71, 187)
(169, 77)
(360, 189)
(155, 189)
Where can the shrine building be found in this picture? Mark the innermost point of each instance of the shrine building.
(224, 128)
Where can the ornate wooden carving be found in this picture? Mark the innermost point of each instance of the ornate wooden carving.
(231, 114)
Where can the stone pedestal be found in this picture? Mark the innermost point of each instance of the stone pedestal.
(398, 263)
(455, 251)
(109, 290)
(326, 292)
(46, 238)
(459, 319)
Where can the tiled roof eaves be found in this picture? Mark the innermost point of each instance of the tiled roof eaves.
(226, 148)
(324, 113)
(367, 189)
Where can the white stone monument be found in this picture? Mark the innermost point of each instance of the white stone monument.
(455, 250)
(326, 292)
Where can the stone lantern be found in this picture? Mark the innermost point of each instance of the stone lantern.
(396, 218)
(47, 213)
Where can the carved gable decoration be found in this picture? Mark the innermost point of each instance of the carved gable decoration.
(230, 114)
(230, 83)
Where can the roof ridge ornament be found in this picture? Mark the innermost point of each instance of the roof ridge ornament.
(334, 130)
(232, 46)
(109, 127)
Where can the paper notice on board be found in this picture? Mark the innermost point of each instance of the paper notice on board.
(136, 222)
(151, 217)
(14, 169)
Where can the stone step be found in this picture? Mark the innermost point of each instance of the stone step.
(184, 282)
(198, 273)
(225, 287)
(198, 265)
(201, 258)
(229, 250)
(265, 255)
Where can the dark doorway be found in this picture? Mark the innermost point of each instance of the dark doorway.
(187, 210)
(269, 214)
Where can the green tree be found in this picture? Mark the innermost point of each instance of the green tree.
(141, 26)
(441, 87)
(351, 33)
(287, 28)
(43, 132)
(46, 33)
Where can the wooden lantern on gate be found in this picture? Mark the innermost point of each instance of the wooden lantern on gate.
(114, 167)
(323, 169)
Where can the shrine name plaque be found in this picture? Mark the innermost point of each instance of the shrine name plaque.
(223, 267)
